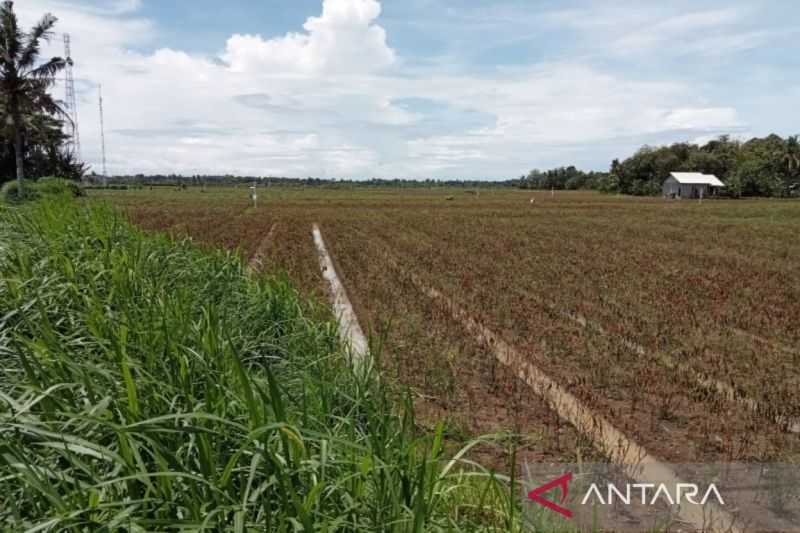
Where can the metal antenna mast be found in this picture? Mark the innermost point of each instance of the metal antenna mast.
(103, 136)
(71, 103)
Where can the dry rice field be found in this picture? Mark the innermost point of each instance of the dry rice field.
(679, 322)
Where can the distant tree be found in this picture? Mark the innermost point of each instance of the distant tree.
(24, 81)
(791, 155)
(791, 158)
(705, 162)
(725, 152)
(756, 177)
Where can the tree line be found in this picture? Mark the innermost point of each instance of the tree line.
(201, 180)
(768, 166)
(562, 178)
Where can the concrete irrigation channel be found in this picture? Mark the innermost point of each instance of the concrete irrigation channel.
(350, 331)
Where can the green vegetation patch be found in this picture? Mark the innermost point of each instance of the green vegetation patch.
(56, 186)
(32, 190)
(146, 384)
(11, 194)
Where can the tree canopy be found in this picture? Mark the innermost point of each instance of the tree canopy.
(768, 166)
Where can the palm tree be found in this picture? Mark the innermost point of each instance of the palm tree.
(24, 80)
(792, 153)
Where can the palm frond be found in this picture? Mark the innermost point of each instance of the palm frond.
(11, 38)
(50, 69)
(36, 99)
(42, 30)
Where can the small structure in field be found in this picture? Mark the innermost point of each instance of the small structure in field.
(691, 185)
(254, 195)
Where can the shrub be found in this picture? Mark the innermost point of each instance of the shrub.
(55, 186)
(10, 192)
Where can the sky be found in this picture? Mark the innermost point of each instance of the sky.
(479, 89)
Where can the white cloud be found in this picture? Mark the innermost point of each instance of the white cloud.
(699, 34)
(700, 118)
(321, 102)
(727, 44)
(93, 30)
(550, 113)
(125, 6)
(656, 30)
(676, 30)
(344, 39)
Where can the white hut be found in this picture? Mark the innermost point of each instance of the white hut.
(691, 185)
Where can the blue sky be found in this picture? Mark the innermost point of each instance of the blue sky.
(421, 88)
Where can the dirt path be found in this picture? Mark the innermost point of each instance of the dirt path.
(257, 262)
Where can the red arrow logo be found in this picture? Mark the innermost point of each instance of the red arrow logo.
(563, 484)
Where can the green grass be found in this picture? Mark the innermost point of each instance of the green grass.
(146, 384)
